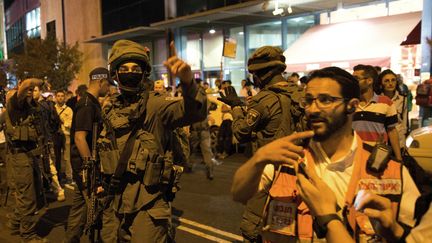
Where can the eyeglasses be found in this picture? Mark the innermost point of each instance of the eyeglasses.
(323, 101)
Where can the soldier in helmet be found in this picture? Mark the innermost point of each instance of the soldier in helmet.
(23, 154)
(271, 114)
(142, 202)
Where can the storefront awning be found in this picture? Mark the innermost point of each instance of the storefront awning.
(414, 37)
(133, 33)
(369, 41)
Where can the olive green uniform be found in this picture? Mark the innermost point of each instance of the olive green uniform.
(262, 118)
(21, 136)
(144, 211)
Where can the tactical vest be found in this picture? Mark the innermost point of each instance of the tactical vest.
(23, 131)
(146, 171)
(289, 122)
(287, 217)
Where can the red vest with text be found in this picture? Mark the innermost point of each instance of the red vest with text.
(287, 215)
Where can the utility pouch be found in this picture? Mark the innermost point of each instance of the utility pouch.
(174, 181)
(109, 160)
(152, 174)
(177, 172)
(167, 171)
(379, 158)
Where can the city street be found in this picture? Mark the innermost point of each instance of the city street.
(203, 209)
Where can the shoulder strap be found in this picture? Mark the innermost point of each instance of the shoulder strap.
(61, 111)
(128, 148)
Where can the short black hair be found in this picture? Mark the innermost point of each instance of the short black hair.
(60, 91)
(304, 79)
(350, 88)
(378, 69)
(368, 70)
(295, 75)
(80, 91)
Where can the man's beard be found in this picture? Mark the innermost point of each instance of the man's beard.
(330, 126)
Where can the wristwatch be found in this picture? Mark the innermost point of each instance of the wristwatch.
(320, 224)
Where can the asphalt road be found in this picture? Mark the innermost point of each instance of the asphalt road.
(203, 210)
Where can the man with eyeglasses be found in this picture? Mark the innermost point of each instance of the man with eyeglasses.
(335, 152)
(376, 118)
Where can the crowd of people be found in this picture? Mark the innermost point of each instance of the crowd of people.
(327, 151)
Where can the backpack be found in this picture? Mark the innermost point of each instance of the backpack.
(291, 111)
(424, 95)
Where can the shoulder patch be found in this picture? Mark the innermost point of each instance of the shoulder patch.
(252, 117)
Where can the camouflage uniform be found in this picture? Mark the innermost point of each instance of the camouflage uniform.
(273, 113)
(145, 211)
(22, 155)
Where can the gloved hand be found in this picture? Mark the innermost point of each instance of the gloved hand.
(230, 97)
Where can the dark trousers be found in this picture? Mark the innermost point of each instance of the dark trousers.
(150, 224)
(224, 143)
(59, 143)
(78, 216)
(21, 177)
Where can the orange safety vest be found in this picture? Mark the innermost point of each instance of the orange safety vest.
(286, 215)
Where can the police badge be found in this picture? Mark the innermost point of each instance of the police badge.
(252, 117)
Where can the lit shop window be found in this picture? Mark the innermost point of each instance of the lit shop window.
(33, 23)
(371, 10)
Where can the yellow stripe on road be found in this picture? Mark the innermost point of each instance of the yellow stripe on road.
(201, 234)
(208, 228)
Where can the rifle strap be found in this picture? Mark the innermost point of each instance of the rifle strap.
(62, 111)
(129, 145)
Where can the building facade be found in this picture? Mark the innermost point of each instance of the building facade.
(201, 28)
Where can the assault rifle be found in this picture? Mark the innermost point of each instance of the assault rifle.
(42, 154)
(91, 174)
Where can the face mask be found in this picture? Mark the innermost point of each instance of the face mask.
(130, 79)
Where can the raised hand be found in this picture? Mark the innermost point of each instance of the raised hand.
(230, 97)
(178, 67)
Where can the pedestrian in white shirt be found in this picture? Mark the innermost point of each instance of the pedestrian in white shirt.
(65, 113)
